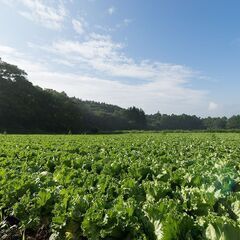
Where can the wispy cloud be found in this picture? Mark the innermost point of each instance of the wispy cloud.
(79, 25)
(13, 56)
(9, 3)
(100, 53)
(6, 49)
(104, 28)
(98, 68)
(50, 14)
(107, 29)
(113, 77)
(111, 10)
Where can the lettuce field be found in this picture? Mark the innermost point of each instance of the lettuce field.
(158, 186)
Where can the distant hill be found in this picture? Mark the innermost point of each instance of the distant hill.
(25, 108)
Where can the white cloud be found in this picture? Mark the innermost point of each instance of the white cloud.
(79, 25)
(63, 62)
(50, 14)
(212, 106)
(124, 23)
(13, 56)
(98, 68)
(162, 85)
(9, 3)
(149, 97)
(100, 53)
(104, 28)
(111, 10)
(6, 49)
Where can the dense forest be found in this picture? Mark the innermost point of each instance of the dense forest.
(25, 108)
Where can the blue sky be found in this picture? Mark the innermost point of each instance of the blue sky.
(161, 55)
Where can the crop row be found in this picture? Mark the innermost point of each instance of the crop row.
(130, 186)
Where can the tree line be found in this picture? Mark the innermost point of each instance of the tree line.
(25, 108)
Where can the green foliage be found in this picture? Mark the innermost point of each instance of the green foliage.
(146, 186)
